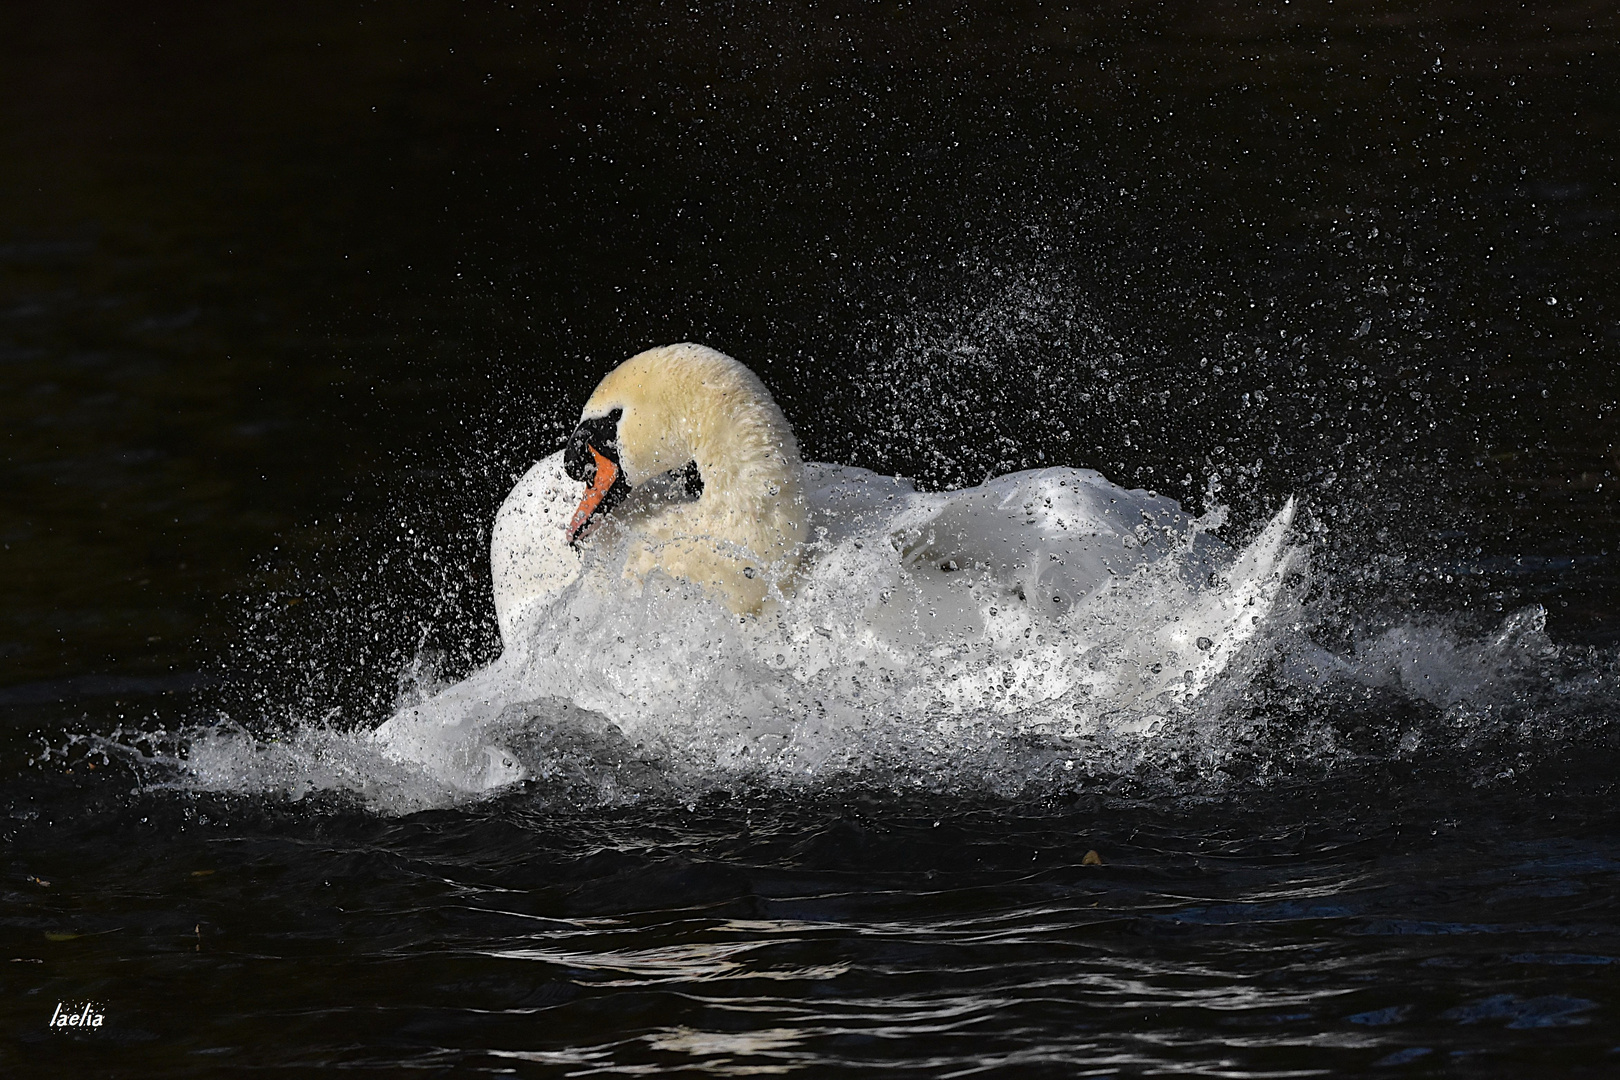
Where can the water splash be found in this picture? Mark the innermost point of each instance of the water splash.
(886, 673)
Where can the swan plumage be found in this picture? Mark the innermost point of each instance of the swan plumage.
(1051, 535)
(683, 470)
(687, 407)
(530, 560)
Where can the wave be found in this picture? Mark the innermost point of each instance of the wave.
(866, 680)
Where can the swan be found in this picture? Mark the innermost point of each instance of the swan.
(683, 469)
(686, 452)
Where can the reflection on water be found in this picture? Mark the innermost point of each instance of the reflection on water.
(1270, 933)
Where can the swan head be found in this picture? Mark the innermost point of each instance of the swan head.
(693, 420)
(593, 455)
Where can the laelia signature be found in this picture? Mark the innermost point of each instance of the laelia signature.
(67, 1016)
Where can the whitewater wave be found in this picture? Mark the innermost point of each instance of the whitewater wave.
(616, 696)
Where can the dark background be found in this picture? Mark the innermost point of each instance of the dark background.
(290, 292)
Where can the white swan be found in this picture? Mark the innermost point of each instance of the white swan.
(688, 461)
(688, 455)
(683, 467)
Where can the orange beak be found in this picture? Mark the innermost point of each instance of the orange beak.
(601, 484)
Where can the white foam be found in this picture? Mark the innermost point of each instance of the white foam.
(968, 639)
(930, 638)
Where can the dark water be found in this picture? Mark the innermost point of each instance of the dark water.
(289, 296)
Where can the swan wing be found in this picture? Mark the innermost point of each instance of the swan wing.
(848, 503)
(1053, 535)
(530, 559)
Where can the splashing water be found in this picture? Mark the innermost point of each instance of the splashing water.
(886, 670)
